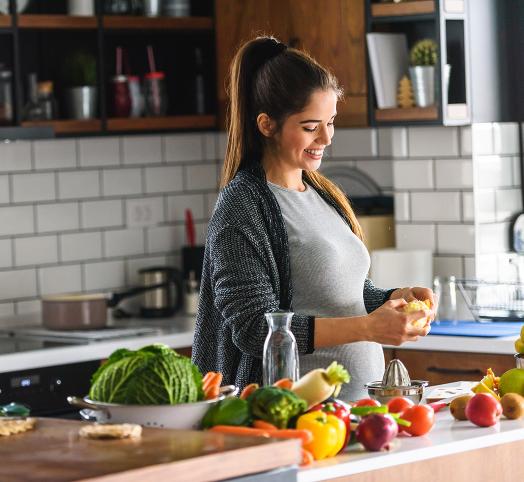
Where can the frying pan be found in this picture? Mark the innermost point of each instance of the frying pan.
(84, 311)
(517, 225)
(181, 416)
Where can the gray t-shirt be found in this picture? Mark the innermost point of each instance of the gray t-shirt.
(329, 264)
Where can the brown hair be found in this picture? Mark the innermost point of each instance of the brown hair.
(266, 76)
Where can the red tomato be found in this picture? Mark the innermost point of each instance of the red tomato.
(367, 402)
(399, 404)
(422, 418)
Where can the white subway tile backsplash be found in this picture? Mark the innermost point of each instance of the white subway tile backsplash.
(201, 232)
(402, 208)
(124, 242)
(466, 142)
(487, 267)
(354, 143)
(505, 138)
(145, 211)
(435, 206)
(142, 150)
(6, 310)
(468, 207)
(183, 147)
(433, 141)
(80, 246)
(482, 139)
(413, 236)
(78, 184)
(133, 265)
(104, 275)
(36, 250)
(15, 156)
(381, 171)
(453, 173)
(164, 179)
(4, 189)
(28, 307)
(470, 271)
(98, 214)
(493, 238)
(33, 187)
(6, 256)
(413, 174)
(60, 279)
(57, 217)
(177, 205)
(456, 238)
(201, 177)
(393, 142)
(508, 268)
(99, 151)
(448, 266)
(16, 220)
(508, 202)
(210, 146)
(515, 162)
(211, 201)
(485, 202)
(55, 154)
(17, 284)
(493, 171)
(221, 146)
(164, 239)
(119, 182)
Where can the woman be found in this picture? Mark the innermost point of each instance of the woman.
(282, 236)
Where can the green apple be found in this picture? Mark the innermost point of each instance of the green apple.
(512, 381)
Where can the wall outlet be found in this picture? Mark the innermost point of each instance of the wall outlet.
(144, 212)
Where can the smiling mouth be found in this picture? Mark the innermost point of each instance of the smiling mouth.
(314, 152)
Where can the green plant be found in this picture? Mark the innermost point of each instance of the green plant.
(424, 52)
(79, 69)
(153, 375)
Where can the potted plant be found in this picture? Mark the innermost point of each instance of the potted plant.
(423, 57)
(79, 72)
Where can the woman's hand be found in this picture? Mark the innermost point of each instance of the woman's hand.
(390, 325)
(417, 293)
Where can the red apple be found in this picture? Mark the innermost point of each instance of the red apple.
(399, 404)
(367, 402)
(375, 431)
(483, 410)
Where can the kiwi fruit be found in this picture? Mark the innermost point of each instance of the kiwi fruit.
(457, 407)
(512, 405)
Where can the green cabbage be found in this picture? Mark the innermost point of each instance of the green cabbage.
(153, 375)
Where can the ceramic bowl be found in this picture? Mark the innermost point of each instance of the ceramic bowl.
(383, 394)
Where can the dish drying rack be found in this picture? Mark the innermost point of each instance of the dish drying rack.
(493, 300)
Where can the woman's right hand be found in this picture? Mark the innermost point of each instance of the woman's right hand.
(389, 325)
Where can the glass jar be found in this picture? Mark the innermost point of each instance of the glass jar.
(280, 358)
(155, 94)
(121, 97)
(135, 92)
(117, 7)
(47, 100)
(32, 109)
(6, 97)
(445, 289)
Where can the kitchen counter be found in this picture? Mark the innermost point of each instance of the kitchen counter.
(452, 451)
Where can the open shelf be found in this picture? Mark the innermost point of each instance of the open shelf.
(413, 7)
(56, 21)
(5, 21)
(158, 23)
(162, 123)
(68, 126)
(407, 114)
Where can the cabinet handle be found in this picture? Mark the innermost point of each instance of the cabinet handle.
(456, 371)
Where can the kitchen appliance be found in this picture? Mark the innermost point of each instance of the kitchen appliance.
(396, 383)
(180, 416)
(164, 296)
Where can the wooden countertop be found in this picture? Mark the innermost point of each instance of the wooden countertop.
(54, 451)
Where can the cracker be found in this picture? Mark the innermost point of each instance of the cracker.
(111, 431)
(11, 427)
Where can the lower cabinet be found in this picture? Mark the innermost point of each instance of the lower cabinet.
(444, 367)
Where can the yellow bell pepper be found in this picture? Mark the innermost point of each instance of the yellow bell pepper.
(329, 433)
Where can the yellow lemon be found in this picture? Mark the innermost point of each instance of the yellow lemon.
(519, 345)
(483, 388)
(522, 333)
(418, 305)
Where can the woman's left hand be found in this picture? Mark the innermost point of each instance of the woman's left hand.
(416, 293)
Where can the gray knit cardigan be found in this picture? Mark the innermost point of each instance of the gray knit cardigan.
(246, 273)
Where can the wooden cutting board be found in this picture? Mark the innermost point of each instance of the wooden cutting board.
(53, 451)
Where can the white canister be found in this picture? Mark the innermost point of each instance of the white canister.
(81, 8)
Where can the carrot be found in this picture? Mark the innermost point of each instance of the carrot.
(248, 390)
(304, 435)
(307, 458)
(212, 380)
(207, 376)
(264, 425)
(212, 392)
(234, 430)
(284, 383)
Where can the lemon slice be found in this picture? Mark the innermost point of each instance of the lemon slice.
(418, 305)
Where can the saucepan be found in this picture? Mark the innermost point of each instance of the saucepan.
(84, 311)
(184, 416)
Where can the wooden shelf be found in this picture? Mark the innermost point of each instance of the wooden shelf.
(162, 123)
(56, 21)
(68, 126)
(413, 7)
(412, 114)
(154, 23)
(5, 21)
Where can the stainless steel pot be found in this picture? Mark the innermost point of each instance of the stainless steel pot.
(185, 416)
(164, 300)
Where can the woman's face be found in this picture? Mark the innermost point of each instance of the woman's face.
(301, 141)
